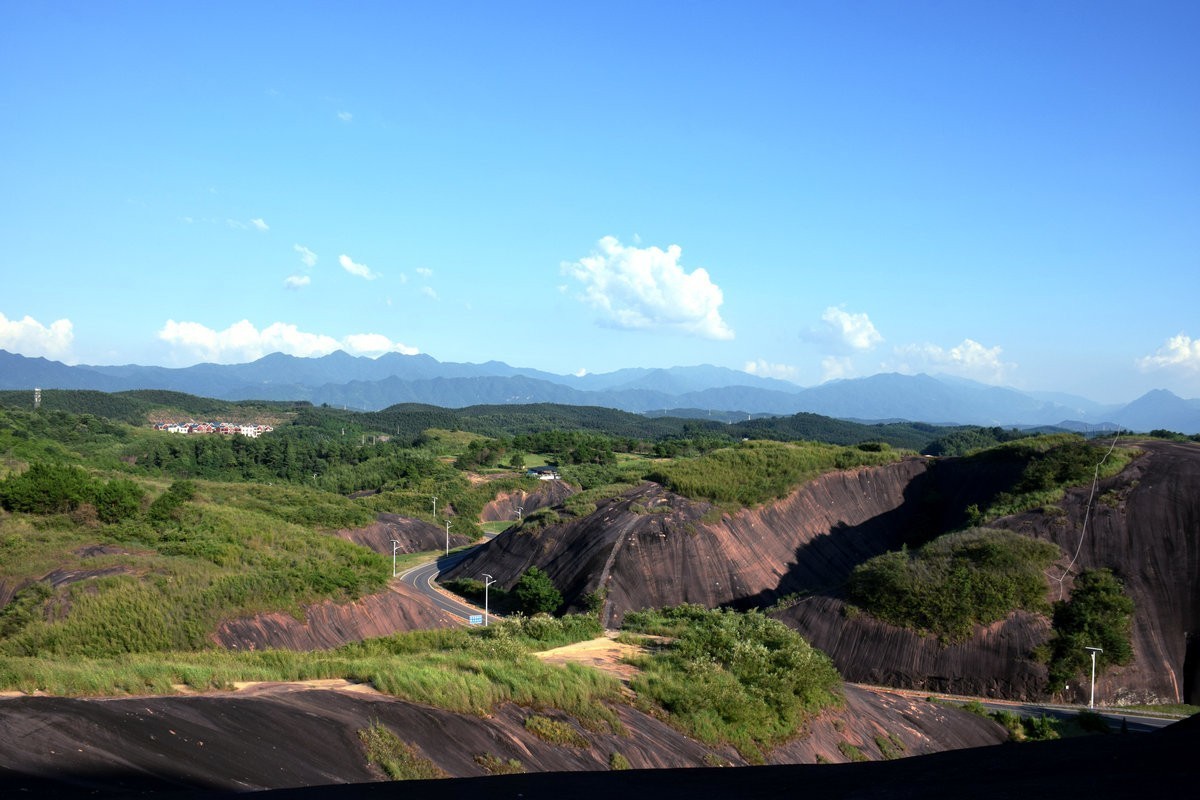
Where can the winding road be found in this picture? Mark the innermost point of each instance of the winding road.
(421, 578)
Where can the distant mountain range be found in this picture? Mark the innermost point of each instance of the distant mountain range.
(364, 383)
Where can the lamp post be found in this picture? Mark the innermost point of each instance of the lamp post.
(435, 507)
(1092, 698)
(488, 580)
(519, 510)
(395, 547)
(447, 537)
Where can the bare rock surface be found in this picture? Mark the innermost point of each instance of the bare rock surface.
(548, 493)
(330, 624)
(414, 535)
(290, 736)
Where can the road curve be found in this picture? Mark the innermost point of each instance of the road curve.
(421, 578)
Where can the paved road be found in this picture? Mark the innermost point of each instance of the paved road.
(1134, 721)
(421, 578)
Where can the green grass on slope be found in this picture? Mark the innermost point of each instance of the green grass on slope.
(752, 473)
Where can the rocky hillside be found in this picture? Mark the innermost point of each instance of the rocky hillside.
(277, 736)
(649, 547)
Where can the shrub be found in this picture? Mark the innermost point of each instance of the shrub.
(498, 766)
(555, 731)
(955, 581)
(535, 593)
(1098, 614)
(732, 678)
(616, 761)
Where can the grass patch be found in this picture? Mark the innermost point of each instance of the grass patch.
(618, 762)
(494, 765)
(890, 746)
(555, 731)
(851, 752)
(399, 760)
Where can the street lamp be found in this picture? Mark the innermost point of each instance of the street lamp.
(1092, 699)
(447, 537)
(488, 580)
(395, 547)
(435, 508)
(519, 510)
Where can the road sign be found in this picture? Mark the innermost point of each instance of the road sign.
(475, 619)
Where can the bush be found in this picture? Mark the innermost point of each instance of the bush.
(1098, 614)
(955, 582)
(535, 593)
(732, 678)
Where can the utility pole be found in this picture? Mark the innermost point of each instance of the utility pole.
(395, 547)
(447, 537)
(1092, 698)
(488, 580)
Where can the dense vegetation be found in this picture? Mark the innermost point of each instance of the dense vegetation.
(965, 441)
(756, 472)
(955, 582)
(1049, 465)
(731, 678)
(1098, 614)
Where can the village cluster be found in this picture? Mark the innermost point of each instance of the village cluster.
(227, 428)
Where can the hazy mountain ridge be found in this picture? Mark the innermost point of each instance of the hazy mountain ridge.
(370, 384)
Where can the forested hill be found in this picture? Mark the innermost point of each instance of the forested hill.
(410, 420)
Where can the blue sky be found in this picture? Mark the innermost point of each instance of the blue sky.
(807, 190)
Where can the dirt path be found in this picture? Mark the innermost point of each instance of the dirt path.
(603, 653)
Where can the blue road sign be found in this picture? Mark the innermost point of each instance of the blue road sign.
(475, 619)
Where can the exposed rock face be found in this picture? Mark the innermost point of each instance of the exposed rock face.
(548, 493)
(650, 548)
(290, 736)
(331, 624)
(1144, 525)
(414, 535)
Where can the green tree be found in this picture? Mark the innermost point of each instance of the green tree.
(536, 594)
(1098, 614)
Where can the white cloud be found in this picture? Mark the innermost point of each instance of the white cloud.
(835, 367)
(361, 270)
(579, 373)
(307, 256)
(969, 359)
(1180, 351)
(374, 344)
(647, 289)
(260, 224)
(345, 116)
(242, 341)
(28, 337)
(429, 292)
(424, 272)
(855, 331)
(763, 369)
(296, 281)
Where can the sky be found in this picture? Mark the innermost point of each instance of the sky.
(1007, 192)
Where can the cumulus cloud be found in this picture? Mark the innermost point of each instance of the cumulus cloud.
(836, 367)
(257, 224)
(375, 344)
(638, 288)
(260, 224)
(425, 272)
(345, 116)
(308, 257)
(28, 337)
(361, 270)
(853, 331)
(764, 369)
(429, 292)
(296, 281)
(969, 359)
(242, 341)
(1179, 352)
